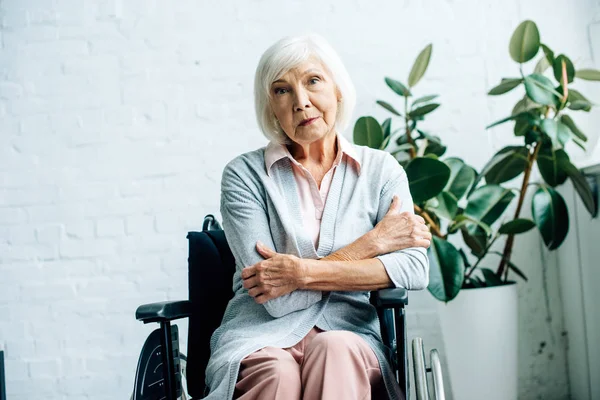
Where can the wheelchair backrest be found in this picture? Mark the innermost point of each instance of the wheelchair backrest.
(210, 269)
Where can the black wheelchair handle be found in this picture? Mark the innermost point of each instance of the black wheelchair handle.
(211, 224)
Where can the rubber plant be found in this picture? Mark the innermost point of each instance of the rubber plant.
(464, 208)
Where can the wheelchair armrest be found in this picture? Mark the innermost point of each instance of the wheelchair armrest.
(163, 311)
(390, 298)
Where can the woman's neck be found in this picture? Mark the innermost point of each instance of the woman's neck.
(320, 153)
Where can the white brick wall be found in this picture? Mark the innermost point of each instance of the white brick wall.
(117, 117)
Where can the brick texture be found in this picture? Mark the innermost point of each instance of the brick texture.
(118, 116)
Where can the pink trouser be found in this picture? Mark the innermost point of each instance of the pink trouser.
(323, 365)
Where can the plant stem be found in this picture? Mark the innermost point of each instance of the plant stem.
(409, 138)
(482, 257)
(564, 82)
(506, 254)
(432, 225)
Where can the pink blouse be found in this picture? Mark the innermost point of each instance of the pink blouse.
(312, 198)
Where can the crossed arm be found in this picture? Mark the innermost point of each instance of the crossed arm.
(354, 267)
(391, 254)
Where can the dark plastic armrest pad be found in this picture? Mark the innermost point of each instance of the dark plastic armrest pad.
(163, 311)
(391, 297)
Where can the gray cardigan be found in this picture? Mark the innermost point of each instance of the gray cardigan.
(257, 207)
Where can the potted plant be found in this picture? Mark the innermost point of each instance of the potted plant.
(467, 213)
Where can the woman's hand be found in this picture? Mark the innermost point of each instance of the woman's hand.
(277, 275)
(398, 231)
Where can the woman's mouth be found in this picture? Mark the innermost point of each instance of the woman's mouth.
(308, 121)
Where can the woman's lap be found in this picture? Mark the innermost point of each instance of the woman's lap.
(325, 363)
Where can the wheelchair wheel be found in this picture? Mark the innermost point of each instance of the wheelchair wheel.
(420, 372)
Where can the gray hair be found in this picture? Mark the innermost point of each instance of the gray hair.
(286, 54)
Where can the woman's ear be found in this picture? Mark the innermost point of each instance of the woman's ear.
(338, 94)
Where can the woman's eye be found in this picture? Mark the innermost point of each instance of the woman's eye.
(313, 81)
(280, 90)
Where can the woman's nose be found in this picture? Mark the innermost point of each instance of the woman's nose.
(301, 101)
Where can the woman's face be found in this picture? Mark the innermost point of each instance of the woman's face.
(305, 101)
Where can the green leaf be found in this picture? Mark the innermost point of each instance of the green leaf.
(588, 74)
(446, 270)
(550, 215)
(491, 279)
(563, 133)
(386, 127)
(548, 53)
(579, 144)
(424, 99)
(368, 132)
(434, 147)
(487, 203)
(420, 66)
(522, 125)
(512, 117)
(420, 111)
(402, 148)
(582, 187)
(426, 177)
(557, 68)
(540, 90)
(462, 177)
(385, 143)
(464, 257)
(402, 139)
(557, 131)
(506, 164)
(516, 270)
(533, 136)
(568, 121)
(511, 265)
(445, 205)
(525, 42)
(523, 105)
(577, 101)
(505, 86)
(388, 107)
(517, 226)
(550, 162)
(578, 105)
(475, 239)
(475, 282)
(542, 65)
(465, 221)
(397, 87)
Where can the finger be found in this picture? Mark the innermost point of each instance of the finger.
(420, 219)
(264, 250)
(254, 292)
(396, 204)
(426, 236)
(422, 229)
(424, 243)
(250, 282)
(248, 272)
(261, 298)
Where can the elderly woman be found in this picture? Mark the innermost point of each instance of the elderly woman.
(314, 224)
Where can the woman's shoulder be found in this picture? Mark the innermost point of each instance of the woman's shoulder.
(247, 162)
(250, 158)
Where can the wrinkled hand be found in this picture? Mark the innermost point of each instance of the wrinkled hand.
(398, 231)
(277, 275)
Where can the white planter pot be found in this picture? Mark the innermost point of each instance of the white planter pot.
(479, 329)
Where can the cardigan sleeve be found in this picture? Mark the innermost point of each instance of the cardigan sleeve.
(245, 221)
(408, 268)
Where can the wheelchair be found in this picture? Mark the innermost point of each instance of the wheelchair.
(162, 367)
